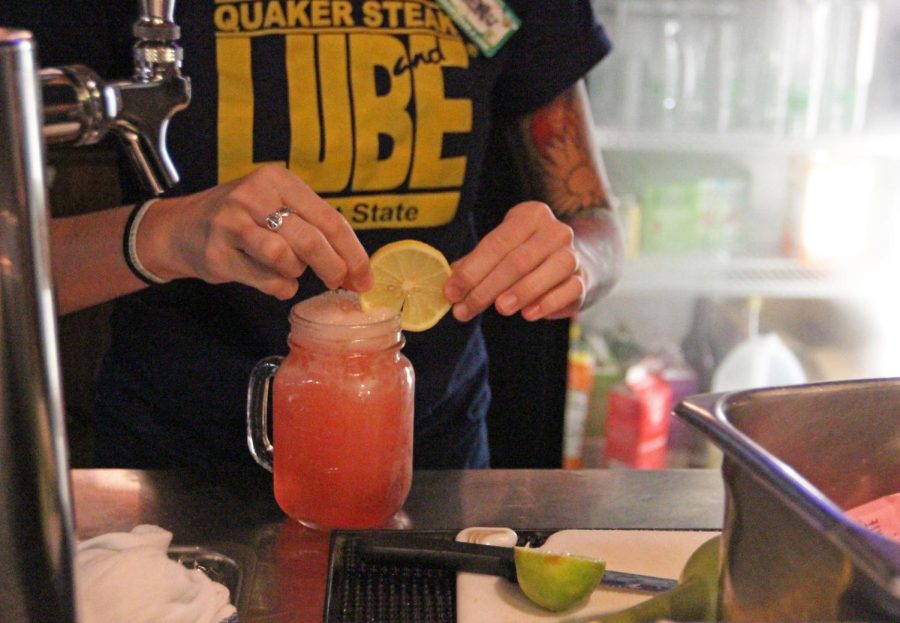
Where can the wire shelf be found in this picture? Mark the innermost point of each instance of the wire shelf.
(747, 277)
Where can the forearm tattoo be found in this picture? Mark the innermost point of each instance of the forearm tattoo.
(557, 141)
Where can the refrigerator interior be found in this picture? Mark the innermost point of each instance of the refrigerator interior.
(754, 148)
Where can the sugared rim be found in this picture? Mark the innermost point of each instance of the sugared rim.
(377, 335)
(298, 315)
(387, 322)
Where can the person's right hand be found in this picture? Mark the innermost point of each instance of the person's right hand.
(219, 235)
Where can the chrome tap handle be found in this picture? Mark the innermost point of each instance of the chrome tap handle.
(80, 108)
(156, 92)
(142, 123)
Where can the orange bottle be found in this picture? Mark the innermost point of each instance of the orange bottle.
(579, 385)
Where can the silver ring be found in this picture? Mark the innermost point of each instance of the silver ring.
(276, 219)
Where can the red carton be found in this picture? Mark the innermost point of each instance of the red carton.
(637, 424)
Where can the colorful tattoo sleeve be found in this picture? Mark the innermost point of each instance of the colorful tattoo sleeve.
(559, 147)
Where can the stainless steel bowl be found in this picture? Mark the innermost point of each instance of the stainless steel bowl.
(795, 459)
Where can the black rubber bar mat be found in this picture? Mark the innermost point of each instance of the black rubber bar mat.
(360, 591)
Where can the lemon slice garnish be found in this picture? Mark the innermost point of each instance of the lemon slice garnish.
(409, 279)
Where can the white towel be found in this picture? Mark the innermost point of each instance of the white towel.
(127, 577)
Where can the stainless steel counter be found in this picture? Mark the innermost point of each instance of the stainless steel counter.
(285, 565)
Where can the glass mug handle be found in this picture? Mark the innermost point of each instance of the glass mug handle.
(258, 439)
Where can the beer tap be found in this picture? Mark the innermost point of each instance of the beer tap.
(80, 108)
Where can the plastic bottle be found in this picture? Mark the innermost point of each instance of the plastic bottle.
(579, 384)
(607, 373)
(853, 39)
(759, 361)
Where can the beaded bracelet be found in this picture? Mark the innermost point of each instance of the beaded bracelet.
(129, 245)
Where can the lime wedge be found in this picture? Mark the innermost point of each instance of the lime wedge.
(556, 581)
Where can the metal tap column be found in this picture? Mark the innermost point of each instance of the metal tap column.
(36, 523)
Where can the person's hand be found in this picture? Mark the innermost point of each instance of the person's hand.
(528, 264)
(219, 235)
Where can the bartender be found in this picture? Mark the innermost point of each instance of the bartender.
(369, 121)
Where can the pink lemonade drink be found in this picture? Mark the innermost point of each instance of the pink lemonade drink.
(343, 415)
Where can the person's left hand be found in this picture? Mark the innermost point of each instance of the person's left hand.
(528, 264)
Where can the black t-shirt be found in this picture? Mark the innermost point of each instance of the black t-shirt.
(384, 108)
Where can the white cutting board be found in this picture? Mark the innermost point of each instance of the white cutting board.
(489, 599)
